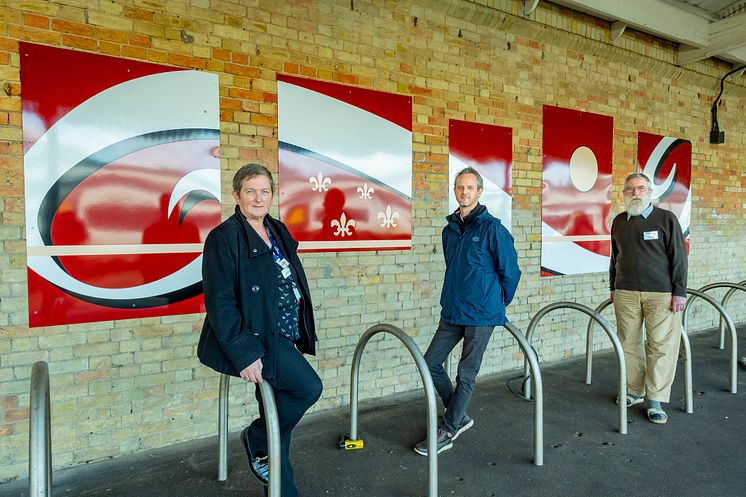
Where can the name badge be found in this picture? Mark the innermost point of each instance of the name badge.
(285, 272)
(649, 235)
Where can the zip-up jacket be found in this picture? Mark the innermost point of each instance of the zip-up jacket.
(239, 276)
(482, 271)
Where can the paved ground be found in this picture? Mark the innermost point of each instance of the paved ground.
(695, 455)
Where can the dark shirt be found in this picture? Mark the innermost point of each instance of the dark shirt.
(463, 222)
(648, 254)
(287, 317)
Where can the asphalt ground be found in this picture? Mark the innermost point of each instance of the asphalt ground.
(693, 455)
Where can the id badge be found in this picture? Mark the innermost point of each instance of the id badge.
(296, 292)
(649, 235)
(285, 272)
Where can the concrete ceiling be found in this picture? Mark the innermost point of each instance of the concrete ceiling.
(703, 28)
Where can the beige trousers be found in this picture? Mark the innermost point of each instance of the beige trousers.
(651, 367)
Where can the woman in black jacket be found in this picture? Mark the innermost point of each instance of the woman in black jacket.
(259, 322)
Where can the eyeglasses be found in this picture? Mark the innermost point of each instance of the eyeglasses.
(634, 189)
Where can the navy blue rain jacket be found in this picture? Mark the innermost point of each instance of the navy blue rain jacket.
(482, 271)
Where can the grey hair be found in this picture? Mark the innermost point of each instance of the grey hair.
(470, 170)
(250, 171)
(640, 176)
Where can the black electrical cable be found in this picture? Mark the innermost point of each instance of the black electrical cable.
(715, 127)
(523, 383)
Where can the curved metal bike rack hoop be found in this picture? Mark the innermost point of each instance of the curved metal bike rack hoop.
(595, 316)
(728, 322)
(40, 437)
(427, 381)
(273, 433)
(733, 288)
(533, 361)
(688, 396)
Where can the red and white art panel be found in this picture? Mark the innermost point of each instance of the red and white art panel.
(122, 185)
(345, 166)
(488, 149)
(576, 192)
(667, 161)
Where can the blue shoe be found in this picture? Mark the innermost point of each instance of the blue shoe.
(657, 415)
(258, 465)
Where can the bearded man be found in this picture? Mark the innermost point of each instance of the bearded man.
(647, 276)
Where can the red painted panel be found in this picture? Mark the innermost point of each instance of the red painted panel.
(386, 105)
(667, 161)
(576, 193)
(122, 182)
(487, 148)
(345, 166)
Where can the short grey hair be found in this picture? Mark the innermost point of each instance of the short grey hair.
(469, 170)
(640, 176)
(251, 171)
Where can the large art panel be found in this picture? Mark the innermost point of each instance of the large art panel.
(488, 149)
(345, 166)
(576, 192)
(667, 161)
(122, 185)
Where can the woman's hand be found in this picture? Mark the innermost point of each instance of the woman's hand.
(253, 372)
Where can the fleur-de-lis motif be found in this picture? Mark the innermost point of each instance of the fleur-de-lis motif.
(343, 226)
(320, 183)
(388, 220)
(365, 191)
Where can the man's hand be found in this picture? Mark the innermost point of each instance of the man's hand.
(611, 297)
(678, 303)
(253, 372)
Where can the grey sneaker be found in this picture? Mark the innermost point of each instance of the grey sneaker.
(444, 442)
(466, 423)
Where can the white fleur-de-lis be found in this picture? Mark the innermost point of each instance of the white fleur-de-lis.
(388, 220)
(320, 183)
(343, 226)
(365, 191)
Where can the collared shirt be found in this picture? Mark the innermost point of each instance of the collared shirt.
(644, 213)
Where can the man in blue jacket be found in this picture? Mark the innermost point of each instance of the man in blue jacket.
(481, 278)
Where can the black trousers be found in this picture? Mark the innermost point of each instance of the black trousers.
(297, 387)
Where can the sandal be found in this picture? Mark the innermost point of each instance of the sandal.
(632, 400)
(657, 415)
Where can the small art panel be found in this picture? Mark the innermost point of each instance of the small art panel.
(345, 166)
(576, 192)
(488, 149)
(122, 185)
(667, 161)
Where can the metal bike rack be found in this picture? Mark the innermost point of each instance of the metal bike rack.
(733, 289)
(688, 392)
(40, 433)
(427, 381)
(595, 316)
(533, 361)
(273, 433)
(729, 323)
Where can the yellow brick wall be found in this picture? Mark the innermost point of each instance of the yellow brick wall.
(120, 387)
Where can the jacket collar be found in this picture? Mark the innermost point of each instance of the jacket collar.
(475, 217)
(255, 243)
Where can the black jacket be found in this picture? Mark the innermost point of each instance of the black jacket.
(239, 276)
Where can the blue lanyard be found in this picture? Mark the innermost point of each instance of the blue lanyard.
(282, 262)
(277, 255)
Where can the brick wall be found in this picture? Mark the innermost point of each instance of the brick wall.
(119, 387)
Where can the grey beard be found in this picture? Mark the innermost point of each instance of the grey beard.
(635, 206)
